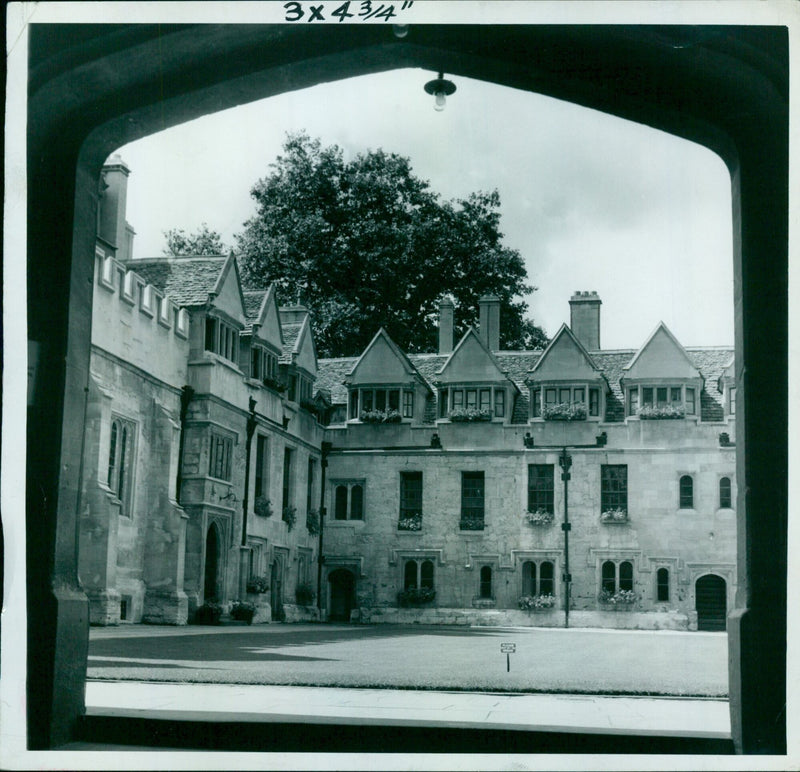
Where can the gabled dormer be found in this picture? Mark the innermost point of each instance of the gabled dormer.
(383, 386)
(566, 384)
(298, 363)
(661, 381)
(472, 385)
(727, 387)
(262, 339)
(225, 315)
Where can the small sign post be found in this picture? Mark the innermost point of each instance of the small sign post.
(508, 649)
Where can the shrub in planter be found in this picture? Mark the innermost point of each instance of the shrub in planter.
(471, 524)
(208, 614)
(415, 596)
(536, 602)
(392, 417)
(262, 507)
(243, 611)
(312, 522)
(564, 411)
(258, 585)
(304, 595)
(290, 516)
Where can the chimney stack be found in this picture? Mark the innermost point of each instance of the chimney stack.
(490, 321)
(446, 310)
(584, 313)
(112, 227)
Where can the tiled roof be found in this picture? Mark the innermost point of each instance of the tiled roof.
(290, 332)
(184, 280)
(709, 361)
(252, 305)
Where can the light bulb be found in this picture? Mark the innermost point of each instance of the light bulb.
(440, 100)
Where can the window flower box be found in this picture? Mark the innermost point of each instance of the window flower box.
(540, 517)
(275, 385)
(262, 507)
(471, 524)
(258, 585)
(312, 522)
(468, 415)
(537, 602)
(616, 515)
(622, 600)
(648, 413)
(565, 411)
(380, 417)
(411, 523)
(415, 596)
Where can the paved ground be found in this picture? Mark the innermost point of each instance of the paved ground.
(417, 657)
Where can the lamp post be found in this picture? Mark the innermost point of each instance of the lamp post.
(326, 449)
(565, 462)
(252, 421)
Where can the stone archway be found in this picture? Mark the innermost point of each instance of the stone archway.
(342, 595)
(710, 598)
(726, 88)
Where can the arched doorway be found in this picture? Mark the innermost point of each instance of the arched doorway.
(343, 585)
(710, 594)
(212, 563)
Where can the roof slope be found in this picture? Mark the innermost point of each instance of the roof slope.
(187, 281)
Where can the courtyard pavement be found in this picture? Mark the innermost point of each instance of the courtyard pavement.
(575, 661)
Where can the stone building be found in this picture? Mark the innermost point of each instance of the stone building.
(446, 497)
(217, 447)
(187, 387)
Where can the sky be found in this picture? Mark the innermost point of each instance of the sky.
(592, 202)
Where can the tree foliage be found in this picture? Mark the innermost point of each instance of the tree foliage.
(203, 241)
(366, 244)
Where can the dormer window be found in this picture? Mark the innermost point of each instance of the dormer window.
(661, 401)
(263, 364)
(565, 402)
(300, 388)
(366, 401)
(486, 400)
(221, 338)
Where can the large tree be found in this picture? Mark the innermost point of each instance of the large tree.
(203, 241)
(366, 244)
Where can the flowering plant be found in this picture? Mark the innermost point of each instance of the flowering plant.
(615, 515)
(540, 517)
(565, 411)
(471, 524)
(258, 585)
(380, 416)
(411, 523)
(619, 598)
(414, 596)
(262, 507)
(461, 414)
(647, 412)
(536, 602)
(312, 522)
(290, 516)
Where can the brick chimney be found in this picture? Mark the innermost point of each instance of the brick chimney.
(446, 311)
(584, 315)
(112, 227)
(490, 321)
